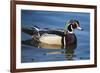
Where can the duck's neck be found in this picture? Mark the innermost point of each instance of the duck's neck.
(71, 32)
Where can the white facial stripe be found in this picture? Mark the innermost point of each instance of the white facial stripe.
(71, 27)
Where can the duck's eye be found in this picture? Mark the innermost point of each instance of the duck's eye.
(74, 25)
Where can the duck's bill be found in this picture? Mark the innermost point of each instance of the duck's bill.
(79, 28)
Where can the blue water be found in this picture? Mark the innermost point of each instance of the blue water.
(55, 20)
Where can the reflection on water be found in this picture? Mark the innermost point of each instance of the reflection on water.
(68, 52)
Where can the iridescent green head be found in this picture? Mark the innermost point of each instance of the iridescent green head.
(72, 24)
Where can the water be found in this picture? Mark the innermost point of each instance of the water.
(55, 20)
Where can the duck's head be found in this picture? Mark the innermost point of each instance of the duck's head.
(73, 24)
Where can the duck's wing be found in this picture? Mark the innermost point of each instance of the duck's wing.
(32, 31)
(59, 32)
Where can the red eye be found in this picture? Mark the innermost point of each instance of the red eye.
(74, 26)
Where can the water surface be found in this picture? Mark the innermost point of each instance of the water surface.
(55, 20)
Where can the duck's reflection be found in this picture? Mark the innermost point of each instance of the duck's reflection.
(68, 51)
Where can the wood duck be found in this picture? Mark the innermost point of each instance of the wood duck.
(62, 37)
